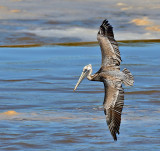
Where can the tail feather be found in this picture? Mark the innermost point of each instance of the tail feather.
(128, 79)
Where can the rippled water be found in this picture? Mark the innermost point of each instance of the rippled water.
(40, 111)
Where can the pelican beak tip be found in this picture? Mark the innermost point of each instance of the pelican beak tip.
(83, 75)
(74, 89)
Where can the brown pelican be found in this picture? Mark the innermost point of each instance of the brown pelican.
(111, 76)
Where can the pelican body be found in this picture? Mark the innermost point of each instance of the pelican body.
(110, 74)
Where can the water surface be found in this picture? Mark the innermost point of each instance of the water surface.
(40, 111)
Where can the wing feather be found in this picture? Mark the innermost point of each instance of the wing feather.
(109, 46)
(113, 105)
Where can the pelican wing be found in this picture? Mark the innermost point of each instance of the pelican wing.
(109, 46)
(113, 105)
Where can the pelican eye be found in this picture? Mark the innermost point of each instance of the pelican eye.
(85, 70)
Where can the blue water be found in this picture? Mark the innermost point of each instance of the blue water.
(38, 83)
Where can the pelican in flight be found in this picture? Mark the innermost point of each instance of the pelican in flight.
(110, 74)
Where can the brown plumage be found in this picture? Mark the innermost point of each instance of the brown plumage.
(111, 76)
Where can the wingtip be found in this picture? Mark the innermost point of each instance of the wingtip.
(115, 137)
(106, 23)
(106, 29)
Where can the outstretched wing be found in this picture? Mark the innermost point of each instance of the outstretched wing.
(109, 46)
(113, 105)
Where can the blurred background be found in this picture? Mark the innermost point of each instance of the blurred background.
(54, 21)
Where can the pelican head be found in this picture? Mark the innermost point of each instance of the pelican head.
(87, 70)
